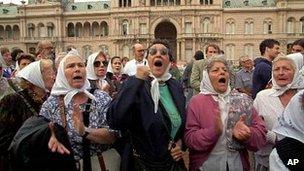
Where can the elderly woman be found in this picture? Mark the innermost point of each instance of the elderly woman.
(270, 103)
(36, 80)
(288, 153)
(68, 102)
(96, 69)
(151, 108)
(221, 125)
(115, 77)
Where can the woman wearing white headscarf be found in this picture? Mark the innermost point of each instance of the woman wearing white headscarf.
(288, 153)
(96, 71)
(221, 124)
(66, 104)
(270, 103)
(36, 80)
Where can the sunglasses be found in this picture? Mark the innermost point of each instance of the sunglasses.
(98, 63)
(162, 51)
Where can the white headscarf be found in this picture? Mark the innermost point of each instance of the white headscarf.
(90, 67)
(154, 90)
(298, 78)
(207, 88)
(32, 73)
(62, 86)
(292, 119)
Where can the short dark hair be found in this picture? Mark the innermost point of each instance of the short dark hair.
(198, 55)
(166, 44)
(15, 53)
(214, 46)
(299, 42)
(115, 57)
(25, 56)
(268, 43)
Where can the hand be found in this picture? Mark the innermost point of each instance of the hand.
(143, 72)
(218, 123)
(241, 131)
(175, 151)
(105, 87)
(54, 145)
(78, 120)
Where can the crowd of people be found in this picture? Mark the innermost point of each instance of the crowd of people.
(210, 117)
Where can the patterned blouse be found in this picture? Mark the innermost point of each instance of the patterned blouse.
(51, 110)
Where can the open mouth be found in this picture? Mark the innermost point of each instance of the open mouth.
(222, 80)
(77, 78)
(158, 63)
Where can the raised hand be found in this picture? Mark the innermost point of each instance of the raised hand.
(78, 119)
(143, 72)
(218, 123)
(241, 131)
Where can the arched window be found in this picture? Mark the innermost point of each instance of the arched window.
(95, 29)
(248, 50)
(2, 33)
(71, 30)
(87, 51)
(302, 25)
(125, 27)
(104, 28)
(9, 32)
(50, 29)
(249, 26)
(16, 32)
(206, 25)
(230, 26)
(126, 51)
(290, 25)
(104, 49)
(78, 30)
(267, 26)
(206, 2)
(41, 30)
(230, 52)
(87, 29)
(30, 30)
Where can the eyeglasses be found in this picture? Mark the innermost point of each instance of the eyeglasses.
(98, 63)
(162, 51)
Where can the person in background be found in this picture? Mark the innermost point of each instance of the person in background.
(270, 103)
(37, 80)
(188, 90)
(124, 61)
(66, 106)
(298, 46)
(221, 125)
(45, 50)
(151, 108)
(16, 53)
(243, 78)
(174, 71)
(288, 153)
(114, 76)
(23, 60)
(96, 71)
(198, 66)
(130, 67)
(7, 62)
(5, 87)
(269, 49)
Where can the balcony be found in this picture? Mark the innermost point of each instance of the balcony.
(37, 39)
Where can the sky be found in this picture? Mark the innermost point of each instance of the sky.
(18, 1)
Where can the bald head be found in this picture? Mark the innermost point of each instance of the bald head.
(139, 51)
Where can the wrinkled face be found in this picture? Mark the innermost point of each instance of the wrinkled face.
(139, 52)
(23, 63)
(100, 66)
(158, 59)
(283, 72)
(7, 58)
(273, 52)
(116, 65)
(247, 64)
(219, 77)
(211, 51)
(75, 71)
(297, 49)
(48, 76)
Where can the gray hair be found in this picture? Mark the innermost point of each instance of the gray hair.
(284, 58)
(216, 58)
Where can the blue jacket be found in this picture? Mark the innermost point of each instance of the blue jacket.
(261, 75)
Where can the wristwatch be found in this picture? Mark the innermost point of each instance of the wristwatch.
(86, 132)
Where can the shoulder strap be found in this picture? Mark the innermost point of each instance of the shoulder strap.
(85, 142)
